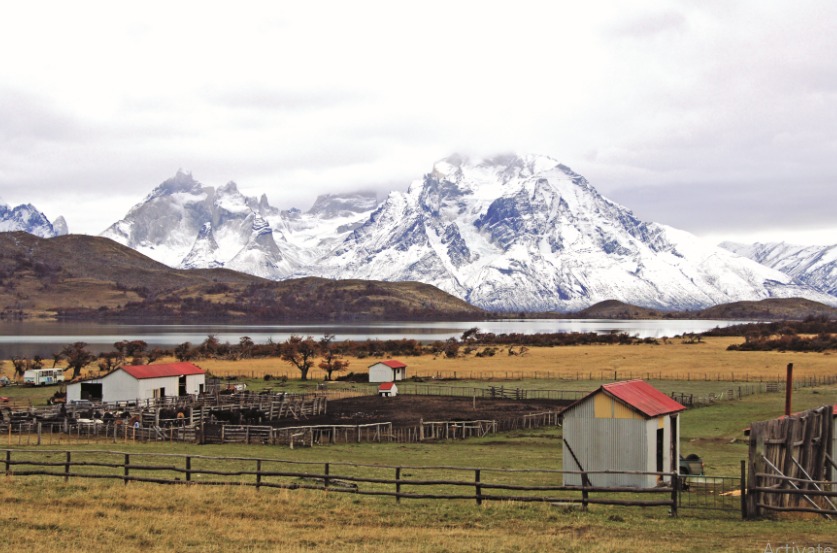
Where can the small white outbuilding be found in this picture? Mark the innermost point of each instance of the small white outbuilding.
(625, 426)
(387, 371)
(141, 382)
(388, 389)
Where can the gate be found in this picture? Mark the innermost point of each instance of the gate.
(714, 493)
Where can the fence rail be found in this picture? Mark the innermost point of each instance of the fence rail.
(39, 433)
(399, 482)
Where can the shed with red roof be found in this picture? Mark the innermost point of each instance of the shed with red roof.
(627, 426)
(387, 371)
(388, 389)
(141, 382)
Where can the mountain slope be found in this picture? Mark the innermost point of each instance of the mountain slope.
(813, 265)
(527, 233)
(186, 224)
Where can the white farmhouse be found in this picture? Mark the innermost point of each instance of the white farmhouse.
(387, 371)
(141, 382)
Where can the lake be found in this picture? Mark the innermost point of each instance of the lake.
(45, 338)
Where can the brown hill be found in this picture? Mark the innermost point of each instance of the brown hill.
(613, 309)
(88, 277)
(770, 309)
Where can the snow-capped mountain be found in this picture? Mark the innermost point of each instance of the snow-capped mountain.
(27, 218)
(186, 224)
(508, 233)
(527, 233)
(813, 265)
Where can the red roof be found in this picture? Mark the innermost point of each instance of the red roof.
(638, 395)
(393, 364)
(386, 386)
(643, 397)
(156, 371)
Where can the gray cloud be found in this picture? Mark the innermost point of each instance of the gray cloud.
(702, 116)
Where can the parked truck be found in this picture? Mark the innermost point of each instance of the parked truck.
(43, 377)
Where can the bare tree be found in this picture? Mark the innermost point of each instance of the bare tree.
(332, 360)
(245, 347)
(299, 352)
(77, 357)
(21, 364)
(110, 361)
(185, 352)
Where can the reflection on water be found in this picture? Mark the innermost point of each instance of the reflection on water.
(45, 338)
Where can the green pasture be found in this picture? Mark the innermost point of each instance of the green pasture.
(149, 517)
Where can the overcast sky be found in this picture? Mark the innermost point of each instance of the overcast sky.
(717, 117)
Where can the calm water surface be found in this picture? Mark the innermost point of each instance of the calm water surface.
(42, 338)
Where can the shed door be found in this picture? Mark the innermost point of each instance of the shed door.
(181, 386)
(660, 446)
(92, 392)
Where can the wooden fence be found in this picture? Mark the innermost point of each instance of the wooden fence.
(488, 392)
(38, 433)
(399, 482)
(791, 465)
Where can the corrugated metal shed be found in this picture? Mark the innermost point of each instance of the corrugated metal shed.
(156, 371)
(623, 426)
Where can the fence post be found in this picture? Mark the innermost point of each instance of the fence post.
(325, 476)
(188, 468)
(743, 489)
(258, 474)
(8, 461)
(584, 492)
(127, 462)
(67, 467)
(398, 484)
(478, 486)
(675, 491)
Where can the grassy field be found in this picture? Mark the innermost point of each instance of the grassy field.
(708, 360)
(43, 515)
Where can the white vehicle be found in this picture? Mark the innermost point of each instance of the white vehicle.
(42, 377)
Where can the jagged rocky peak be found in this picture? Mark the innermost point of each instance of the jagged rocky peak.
(231, 188)
(203, 254)
(182, 181)
(206, 232)
(26, 218)
(330, 206)
(60, 227)
(504, 167)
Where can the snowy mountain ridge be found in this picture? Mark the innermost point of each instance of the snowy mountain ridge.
(27, 218)
(515, 233)
(813, 265)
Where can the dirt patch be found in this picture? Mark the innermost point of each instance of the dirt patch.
(409, 410)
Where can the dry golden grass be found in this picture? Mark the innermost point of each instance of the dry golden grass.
(708, 359)
(675, 360)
